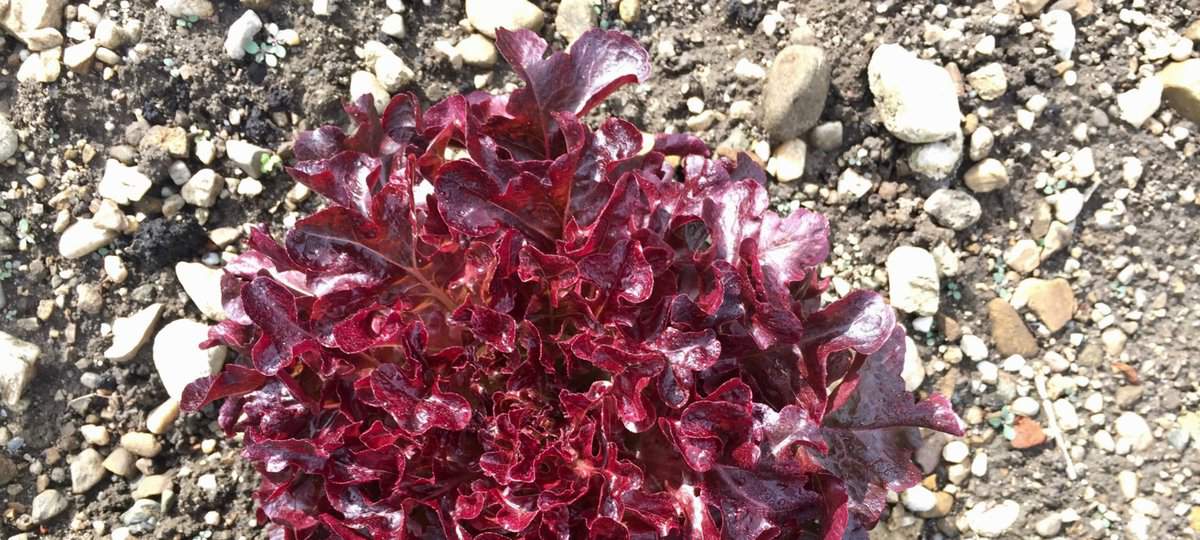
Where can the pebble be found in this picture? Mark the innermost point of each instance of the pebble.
(178, 357)
(918, 499)
(982, 140)
(1133, 430)
(93, 434)
(952, 208)
(913, 284)
(989, 81)
(1068, 418)
(9, 140)
(992, 520)
(986, 176)
(1181, 87)
(130, 333)
(151, 486)
(109, 216)
(787, 163)
(18, 364)
(913, 372)
(1127, 481)
(1023, 256)
(324, 8)
(363, 83)
(122, 183)
(187, 8)
(1026, 406)
(160, 419)
(748, 71)
(1049, 526)
(979, 464)
(48, 504)
(203, 285)
(1067, 204)
(795, 91)
(1145, 507)
(86, 470)
(955, 451)
(937, 160)
(973, 347)
(916, 99)
(827, 136)
(241, 33)
(141, 444)
(477, 50)
(1053, 302)
(1009, 334)
(488, 15)
(393, 25)
(392, 72)
(852, 186)
(1114, 340)
(42, 39)
(119, 462)
(1057, 23)
(78, 57)
(574, 17)
(203, 188)
(1139, 104)
(629, 10)
(248, 156)
(43, 67)
(109, 35)
(142, 515)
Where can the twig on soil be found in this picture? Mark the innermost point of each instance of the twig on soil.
(86, 396)
(1040, 382)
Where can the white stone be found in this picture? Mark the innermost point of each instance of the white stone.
(130, 333)
(82, 238)
(1145, 507)
(364, 83)
(852, 186)
(488, 15)
(18, 364)
(247, 156)
(982, 140)
(78, 57)
(240, 33)
(47, 505)
(916, 99)
(979, 464)
(324, 8)
(1049, 526)
(989, 81)
(955, 451)
(203, 285)
(1094, 402)
(93, 434)
(250, 187)
(393, 25)
(1139, 104)
(748, 71)
(392, 72)
(203, 188)
(109, 216)
(43, 67)
(993, 520)
(913, 280)
(974, 347)
(1067, 204)
(989, 373)
(913, 372)
(122, 183)
(1024, 256)
(986, 176)
(114, 269)
(1084, 163)
(187, 8)
(86, 470)
(9, 140)
(1068, 418)
(787, 163)
(1127, 481)
(160, 419)
(1133, 429)
(1057, 23)
(1026, 406)
(952, 208)
(918, 499)
(178, 357)
(827, 136)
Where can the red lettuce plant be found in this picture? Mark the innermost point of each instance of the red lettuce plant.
(559, 333)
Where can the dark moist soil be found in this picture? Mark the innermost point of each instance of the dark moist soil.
(306, 90)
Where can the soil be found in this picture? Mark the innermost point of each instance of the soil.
(178, 75)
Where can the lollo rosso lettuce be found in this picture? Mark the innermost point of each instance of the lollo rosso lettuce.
(507, 324)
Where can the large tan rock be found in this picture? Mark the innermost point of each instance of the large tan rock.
(1181, 87)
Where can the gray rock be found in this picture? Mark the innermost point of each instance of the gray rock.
(9, 141)
(916, 99)
(795, 91)
(142, 516)
(178, 357)
(48, 504)
(18, 363)
(86, 471)
(952, 208)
